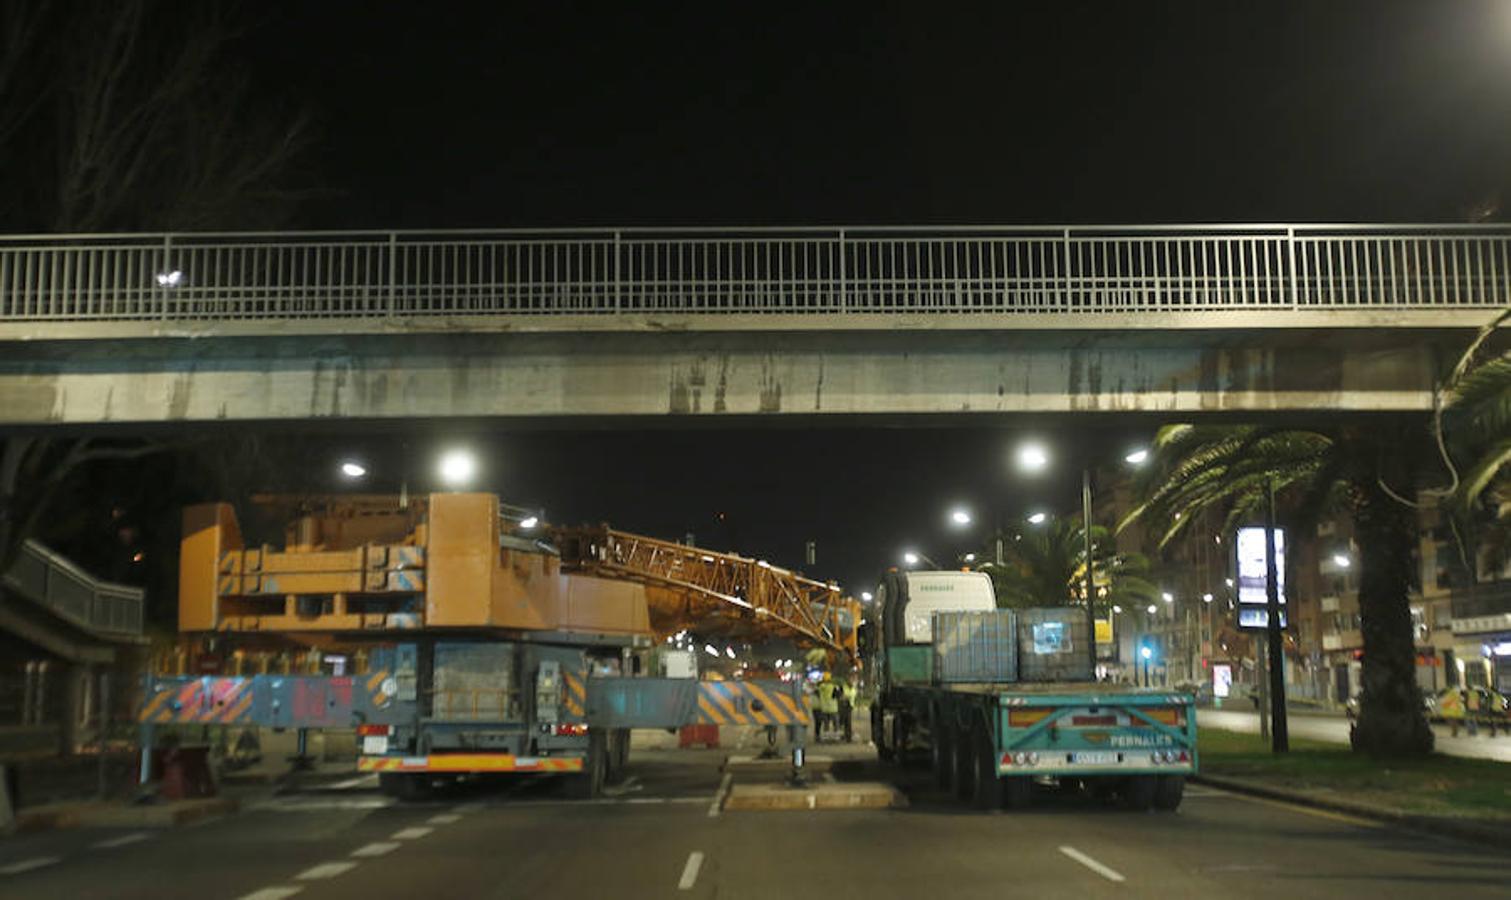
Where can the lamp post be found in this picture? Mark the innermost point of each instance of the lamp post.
(1033, 458)
(913, 557)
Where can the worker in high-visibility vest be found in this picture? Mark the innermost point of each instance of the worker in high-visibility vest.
(847, 694)
(828, 705)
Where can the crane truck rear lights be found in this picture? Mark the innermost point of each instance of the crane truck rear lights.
(571, 729)
(374, 731)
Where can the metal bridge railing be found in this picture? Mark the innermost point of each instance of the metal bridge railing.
(325, 275)
(48, 579)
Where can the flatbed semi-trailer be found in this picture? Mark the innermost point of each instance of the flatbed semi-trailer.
(988, 743)
(948, 670)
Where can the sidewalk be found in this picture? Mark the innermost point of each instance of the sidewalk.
(1333, 729)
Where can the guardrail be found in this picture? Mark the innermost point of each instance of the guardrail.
(1028, 270)
(48, 579)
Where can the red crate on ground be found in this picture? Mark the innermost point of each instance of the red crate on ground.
(699, 735)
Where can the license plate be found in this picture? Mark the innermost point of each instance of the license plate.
(1102, 758)
(374, 745)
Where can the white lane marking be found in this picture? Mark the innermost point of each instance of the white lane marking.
(468, 807)
(444, 819)
(1093, 865)
(376, 849)
(123, 840)
(362, 781)
(326, 870)
(293, 805)
(628, 786)
(713, 808)
(27, 865)
(30, 864)
(410, 834)
(273, 893)
(690, 871)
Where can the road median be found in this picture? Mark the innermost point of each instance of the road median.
(1465, 799)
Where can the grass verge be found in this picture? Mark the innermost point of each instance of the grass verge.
(1438, 785)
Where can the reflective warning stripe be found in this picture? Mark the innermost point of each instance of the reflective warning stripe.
(223, 695)
(152, 706)
(375, 680)
(234, 713)
(469, 762)
(748, 703)
(575, 696)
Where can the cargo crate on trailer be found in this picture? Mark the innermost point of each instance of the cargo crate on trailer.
(1052, 645)
(975, 647)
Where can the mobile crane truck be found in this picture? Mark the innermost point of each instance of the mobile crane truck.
(456, 645)
(1001, 698)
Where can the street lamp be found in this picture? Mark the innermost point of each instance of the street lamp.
(1037, 518)
(913, 557)
(1032, 457)
(457, 468)
(1137, 457)
(865, 596)
(960, 517)
(529, 522)
(1167, 597)
(1341, 560)
(353, 470)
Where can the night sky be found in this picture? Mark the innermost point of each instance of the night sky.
(434, 116)
(832, 113)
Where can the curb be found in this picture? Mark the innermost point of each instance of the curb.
(110, 815)
(841, 796)
(1488, 835)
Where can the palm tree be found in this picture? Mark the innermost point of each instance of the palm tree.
(1476, 422)
(1046, 566)
(1348, 466)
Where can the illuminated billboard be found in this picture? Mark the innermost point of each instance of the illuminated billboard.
(1253, 613)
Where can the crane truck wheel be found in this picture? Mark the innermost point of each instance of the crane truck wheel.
(622, 756)
(1168, 794)
(1139, 792)
(991, 790)
(405, 786)
(588, 783)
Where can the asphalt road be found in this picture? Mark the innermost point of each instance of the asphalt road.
(1334, 729)
(660, 838)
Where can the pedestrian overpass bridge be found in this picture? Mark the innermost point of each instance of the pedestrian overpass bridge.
(152, 328)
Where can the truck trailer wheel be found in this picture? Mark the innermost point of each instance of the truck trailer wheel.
(942, 755)
(964, 782)
(1169, 791)
(990, 788)
(884, 751)
(1139, 792)
(1017, 791)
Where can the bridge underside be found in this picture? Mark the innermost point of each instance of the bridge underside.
(649, 374)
